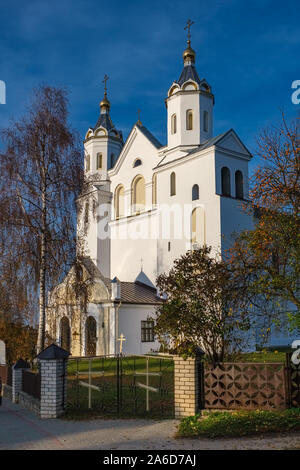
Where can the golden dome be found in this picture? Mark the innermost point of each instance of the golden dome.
(105, 104)
(189, 54)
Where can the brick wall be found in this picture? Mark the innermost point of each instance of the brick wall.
(186, 386)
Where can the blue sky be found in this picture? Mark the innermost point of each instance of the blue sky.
(247, 51)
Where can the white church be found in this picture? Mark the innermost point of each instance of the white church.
(143, 205)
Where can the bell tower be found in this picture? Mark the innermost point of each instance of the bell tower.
(190, 104)
(102, 146)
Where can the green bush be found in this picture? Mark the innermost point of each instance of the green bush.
(239, 423)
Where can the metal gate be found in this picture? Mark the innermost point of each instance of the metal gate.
(122, 385)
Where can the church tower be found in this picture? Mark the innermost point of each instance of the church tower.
(102, 146)
(189, 104)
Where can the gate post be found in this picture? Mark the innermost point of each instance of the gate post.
(187, 385)
(17, 378)
(53, 370)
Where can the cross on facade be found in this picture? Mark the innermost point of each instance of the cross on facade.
(106, 77)
(187, 28)
(121, 339)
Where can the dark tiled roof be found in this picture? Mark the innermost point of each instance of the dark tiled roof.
(131, 292)
(189, 72)
(150, 136)
(136, 293)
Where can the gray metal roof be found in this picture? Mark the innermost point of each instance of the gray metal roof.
(150, 136)
(189, 72)
(53, 352)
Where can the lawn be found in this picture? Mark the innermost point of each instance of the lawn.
(259, 356)
(239, 423)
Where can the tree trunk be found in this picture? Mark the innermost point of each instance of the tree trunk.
(42, 299)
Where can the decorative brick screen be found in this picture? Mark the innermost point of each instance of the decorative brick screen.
(245, 386)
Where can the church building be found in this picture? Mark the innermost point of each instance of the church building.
(143, 205)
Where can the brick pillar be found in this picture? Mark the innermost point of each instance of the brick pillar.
(53, 370)
(17, 378)
(186, 386)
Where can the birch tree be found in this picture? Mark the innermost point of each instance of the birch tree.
(40, 180)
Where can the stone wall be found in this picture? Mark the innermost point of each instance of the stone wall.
(29, 402)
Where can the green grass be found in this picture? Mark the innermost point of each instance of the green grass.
(239, 423)
(259, 356)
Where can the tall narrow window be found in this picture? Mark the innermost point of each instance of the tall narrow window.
(65, 334)
(205, 121)
(172, 184)
(198, 236)
(189, 120)
(87, 163)
(173, 124)
(138, 194)
(195, 192)
(119, 202)
(147, 331)
(154, 190)
(225, 175)
(239, 190)
(99, 161)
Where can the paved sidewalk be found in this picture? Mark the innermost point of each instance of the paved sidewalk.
(21, 429)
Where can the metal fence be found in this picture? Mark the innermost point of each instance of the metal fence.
(122, 385)
(32, 383)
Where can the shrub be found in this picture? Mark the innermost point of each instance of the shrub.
(239, 423)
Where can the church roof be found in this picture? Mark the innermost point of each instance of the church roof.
(150, 136)
(105, 121)
(136, 293)
(131, 292)
(189, 72)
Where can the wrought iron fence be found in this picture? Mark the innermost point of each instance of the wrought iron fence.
(122, 385)
(32, 383)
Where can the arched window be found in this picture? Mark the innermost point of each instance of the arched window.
(198, 236)
(65, 334)
(195, 192)
(91, 336)
(239, 190)
(189, 120)
(172, 184)
(138, 194)
(119, 202)
(205, 121)
(99, 161)
(225, 175)
(87, 163)
(173, 124)
(154, 190)
(137, 162)
(86, 213)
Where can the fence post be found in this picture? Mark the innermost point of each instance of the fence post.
(187, 385)
(53, 370)
(17, 378)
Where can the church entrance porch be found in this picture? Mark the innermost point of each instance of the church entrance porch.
(121, 385)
